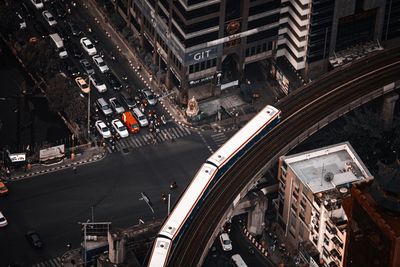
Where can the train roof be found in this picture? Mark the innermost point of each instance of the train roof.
(159, 253)
(244, 135)
(188, 201)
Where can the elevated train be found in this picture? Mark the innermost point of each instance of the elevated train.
(205, 179)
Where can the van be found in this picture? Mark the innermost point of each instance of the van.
(238, 261)
(130, 122)
(140, 117)
(103, 106)
(58, 42)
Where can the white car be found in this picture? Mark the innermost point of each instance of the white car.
(120, 128)
(3, 220)
(49, 18)
(103, 129)
(100, 63)
(140, 117)
(98, 83)
(116, 105)
(226, 243)
(38, 4)
(88, 46)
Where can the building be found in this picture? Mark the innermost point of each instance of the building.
(311, 32)
(203, 45)
(376, 222)
(314, 187)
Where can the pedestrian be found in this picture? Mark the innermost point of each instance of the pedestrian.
(74, 169)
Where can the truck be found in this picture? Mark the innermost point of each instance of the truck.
(58, 42)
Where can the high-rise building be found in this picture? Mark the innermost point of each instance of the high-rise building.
(312, 31)
(314, 187)
(204, 45)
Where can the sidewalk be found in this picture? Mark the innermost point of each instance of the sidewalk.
(173, 110)
(88, 155)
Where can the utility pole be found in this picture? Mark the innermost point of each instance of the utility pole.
(88, 112)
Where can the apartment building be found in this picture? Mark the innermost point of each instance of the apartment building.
(314, 188)
(204, 45)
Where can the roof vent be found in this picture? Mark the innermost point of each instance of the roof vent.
(328, 177)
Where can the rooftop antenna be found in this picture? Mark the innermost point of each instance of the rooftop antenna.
(323, 170)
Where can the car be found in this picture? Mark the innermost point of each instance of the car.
(26, 11)
(34, 238)
(76, 50)
(86, 66)
(100, 63)
(88, 46)
(41, 30)
(82, 84)
(226, 243)
(115, 83)
(58, 10)
(103, 129)
(71, 68)
(140, 117)
(116, 105)
(148, 96)
(21, 21)
(102, 104)
(38, 4)
(73, 28)
(120, 128)
(128, 100)
(49, 18)
(98, 83)
(3, 220)
(3, 188)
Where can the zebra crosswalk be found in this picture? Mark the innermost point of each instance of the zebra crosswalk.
(219, 139)
(55, 262)
(138, 140)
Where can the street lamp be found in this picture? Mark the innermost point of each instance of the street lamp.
(159, 66)
(88, 109)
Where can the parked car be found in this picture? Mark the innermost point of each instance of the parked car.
(128, 100)
(3, 220)
(76, 50)
(49, 18)
(73, 28)
(115, 83)
(82, 84)
(226, 243)
(86, 66)
(26, 11)
(104, 107)
(38, 4)
(34, 238)
(120, 128)
(41, 30)
(100, 63)
(116, 105)
(103, 129)
(98, 83)
(88, 46)
(148, 96)
(3, 188)
(140, 117)
(21, 21)
(71, 68)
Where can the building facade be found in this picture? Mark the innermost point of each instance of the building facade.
(312, 31)
(203, 45)
(314, 187)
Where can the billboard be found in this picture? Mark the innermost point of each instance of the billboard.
(17, 157)
(54, 152)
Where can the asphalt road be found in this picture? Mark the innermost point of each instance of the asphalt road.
(54, 203)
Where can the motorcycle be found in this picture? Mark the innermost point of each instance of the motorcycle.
(163, 119)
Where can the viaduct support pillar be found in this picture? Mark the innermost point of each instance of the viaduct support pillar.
(117, 249)
(256, 215)
(389, 103)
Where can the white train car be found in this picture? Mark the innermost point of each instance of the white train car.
(245, 138)
(160, 252)
(181, 214)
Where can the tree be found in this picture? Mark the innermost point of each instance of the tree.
(8, 23)
(76, 110)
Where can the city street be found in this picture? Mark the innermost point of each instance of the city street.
(54, 203)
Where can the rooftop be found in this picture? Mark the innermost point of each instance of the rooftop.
(329, 167)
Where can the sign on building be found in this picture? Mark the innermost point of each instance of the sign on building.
(17, 157)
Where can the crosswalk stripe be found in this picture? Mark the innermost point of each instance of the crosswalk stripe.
(130, 142)
(217, 134)
(180, 130)
(167, 134)
(186, 130)
(54, 262)
(171, 132)
(220, 138)
(109, 149)
(123, 143)
(176, 132)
